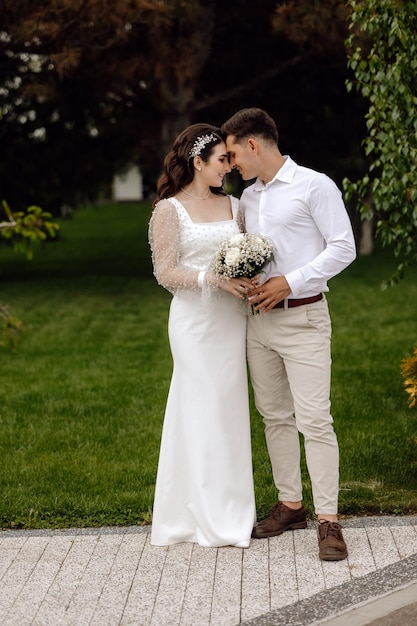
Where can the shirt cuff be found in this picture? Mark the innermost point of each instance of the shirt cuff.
(296, 282)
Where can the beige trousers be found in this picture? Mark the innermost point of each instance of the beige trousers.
(290, 367)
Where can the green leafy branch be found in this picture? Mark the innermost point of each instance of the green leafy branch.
(23, 228)
(384, 65)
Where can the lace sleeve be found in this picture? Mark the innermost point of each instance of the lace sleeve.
(164, 234)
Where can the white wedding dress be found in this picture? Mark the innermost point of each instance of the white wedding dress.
(204, 488)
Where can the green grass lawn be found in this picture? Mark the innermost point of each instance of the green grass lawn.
(82, 399)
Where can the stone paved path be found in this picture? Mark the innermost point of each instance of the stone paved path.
(114, 577)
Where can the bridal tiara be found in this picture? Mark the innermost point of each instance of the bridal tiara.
(200, 143)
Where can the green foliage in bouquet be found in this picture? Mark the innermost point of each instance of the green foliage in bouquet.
(409, 372)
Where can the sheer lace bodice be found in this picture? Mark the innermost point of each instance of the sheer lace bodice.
(181, 248)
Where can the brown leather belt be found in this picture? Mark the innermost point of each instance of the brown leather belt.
(298, 301)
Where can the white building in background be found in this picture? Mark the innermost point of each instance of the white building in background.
(128, 187)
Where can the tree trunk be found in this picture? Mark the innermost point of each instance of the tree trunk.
(171, 127)
(366, 242)
(180, 50)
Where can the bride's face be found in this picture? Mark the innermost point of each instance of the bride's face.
(217, 166)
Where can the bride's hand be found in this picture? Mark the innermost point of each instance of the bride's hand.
(238, 287)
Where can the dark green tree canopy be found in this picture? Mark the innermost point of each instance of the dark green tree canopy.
(87, 87)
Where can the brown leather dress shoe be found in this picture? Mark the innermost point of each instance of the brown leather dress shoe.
(332, 546)
(280, 518)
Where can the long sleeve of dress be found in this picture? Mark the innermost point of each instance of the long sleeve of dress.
(164, 240)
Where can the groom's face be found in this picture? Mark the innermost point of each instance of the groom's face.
(241, 156)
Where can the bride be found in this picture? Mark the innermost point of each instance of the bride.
(204, 488)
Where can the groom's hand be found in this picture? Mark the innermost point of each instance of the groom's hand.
(266, 296)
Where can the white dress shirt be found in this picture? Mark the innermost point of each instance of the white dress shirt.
(303, 213)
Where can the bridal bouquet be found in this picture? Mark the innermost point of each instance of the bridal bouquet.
(244, 254)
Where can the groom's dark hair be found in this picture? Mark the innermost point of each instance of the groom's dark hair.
(251, 122)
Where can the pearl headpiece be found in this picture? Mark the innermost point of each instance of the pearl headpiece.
(200, 143)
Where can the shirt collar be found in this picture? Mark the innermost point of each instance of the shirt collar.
(285, 174)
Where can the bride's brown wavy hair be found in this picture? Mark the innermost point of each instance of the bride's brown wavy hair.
(179, 166)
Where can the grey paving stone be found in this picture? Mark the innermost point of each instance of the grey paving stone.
(19, 571)
(199, 588)
(53, 608)
(82, 604)
(405, 538)
(282, 571)
(9, 548)
(27, 603)
(342, 599)
(114, 577)
(383, 546)
(227, 587)
(360, 558)
(310, 578)
(111, 603)
(255, 580)
(170, 597)
(141, 599)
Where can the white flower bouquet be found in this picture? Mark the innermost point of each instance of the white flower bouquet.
(244, 254)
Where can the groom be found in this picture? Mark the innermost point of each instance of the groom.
(288, 344)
